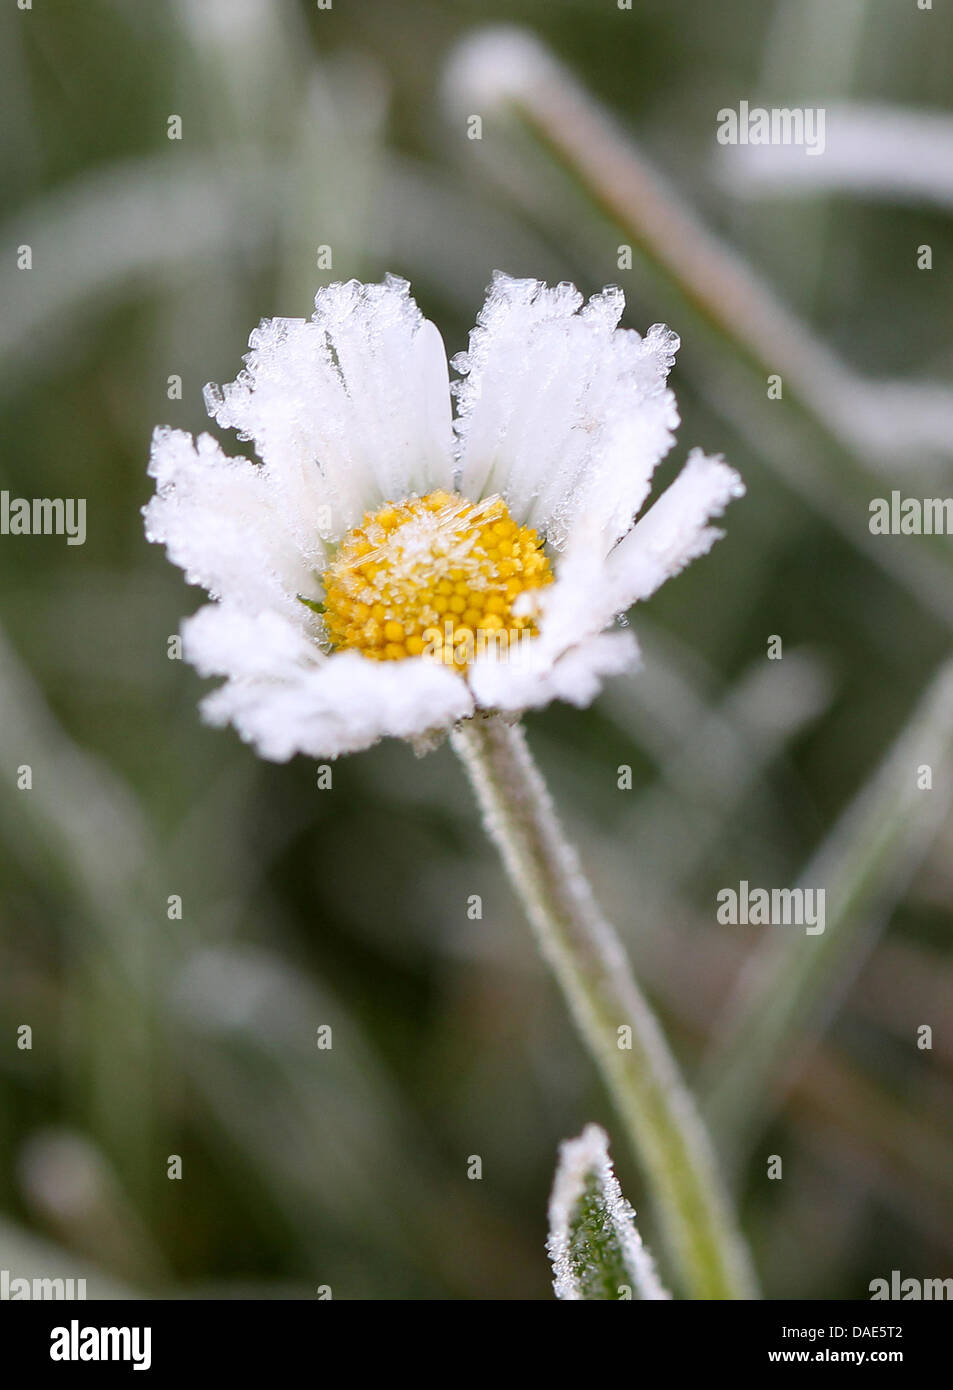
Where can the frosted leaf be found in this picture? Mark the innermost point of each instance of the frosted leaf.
(493, 65)
(885, 151)
(595, 1248)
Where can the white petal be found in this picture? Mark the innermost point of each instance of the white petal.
(561, 411)
(224, 639)
(528, 676)
(349, 409)
(569, 658)
(285, 697)
(217, 518)
(674, 531)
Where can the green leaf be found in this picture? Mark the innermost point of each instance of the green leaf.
(785, 996)
(595, 1248)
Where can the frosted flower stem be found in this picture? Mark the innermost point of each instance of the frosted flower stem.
(584, 953)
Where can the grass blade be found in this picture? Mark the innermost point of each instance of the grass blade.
(596, 1250)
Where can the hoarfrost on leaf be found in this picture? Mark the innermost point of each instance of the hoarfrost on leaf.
(595, 1248)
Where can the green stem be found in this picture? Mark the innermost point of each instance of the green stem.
(613, 1018)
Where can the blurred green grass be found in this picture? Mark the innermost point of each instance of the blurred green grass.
(301, 907)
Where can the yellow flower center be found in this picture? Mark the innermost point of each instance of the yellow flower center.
(435, 576)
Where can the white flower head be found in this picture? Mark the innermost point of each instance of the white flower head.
(383, 569)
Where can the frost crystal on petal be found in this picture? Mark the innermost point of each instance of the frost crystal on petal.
(674, 531)
(285, 698)
(349, 408)
(560, 411)
(217, 518)
(595, 1248)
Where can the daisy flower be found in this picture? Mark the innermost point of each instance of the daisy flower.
(385, 569)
